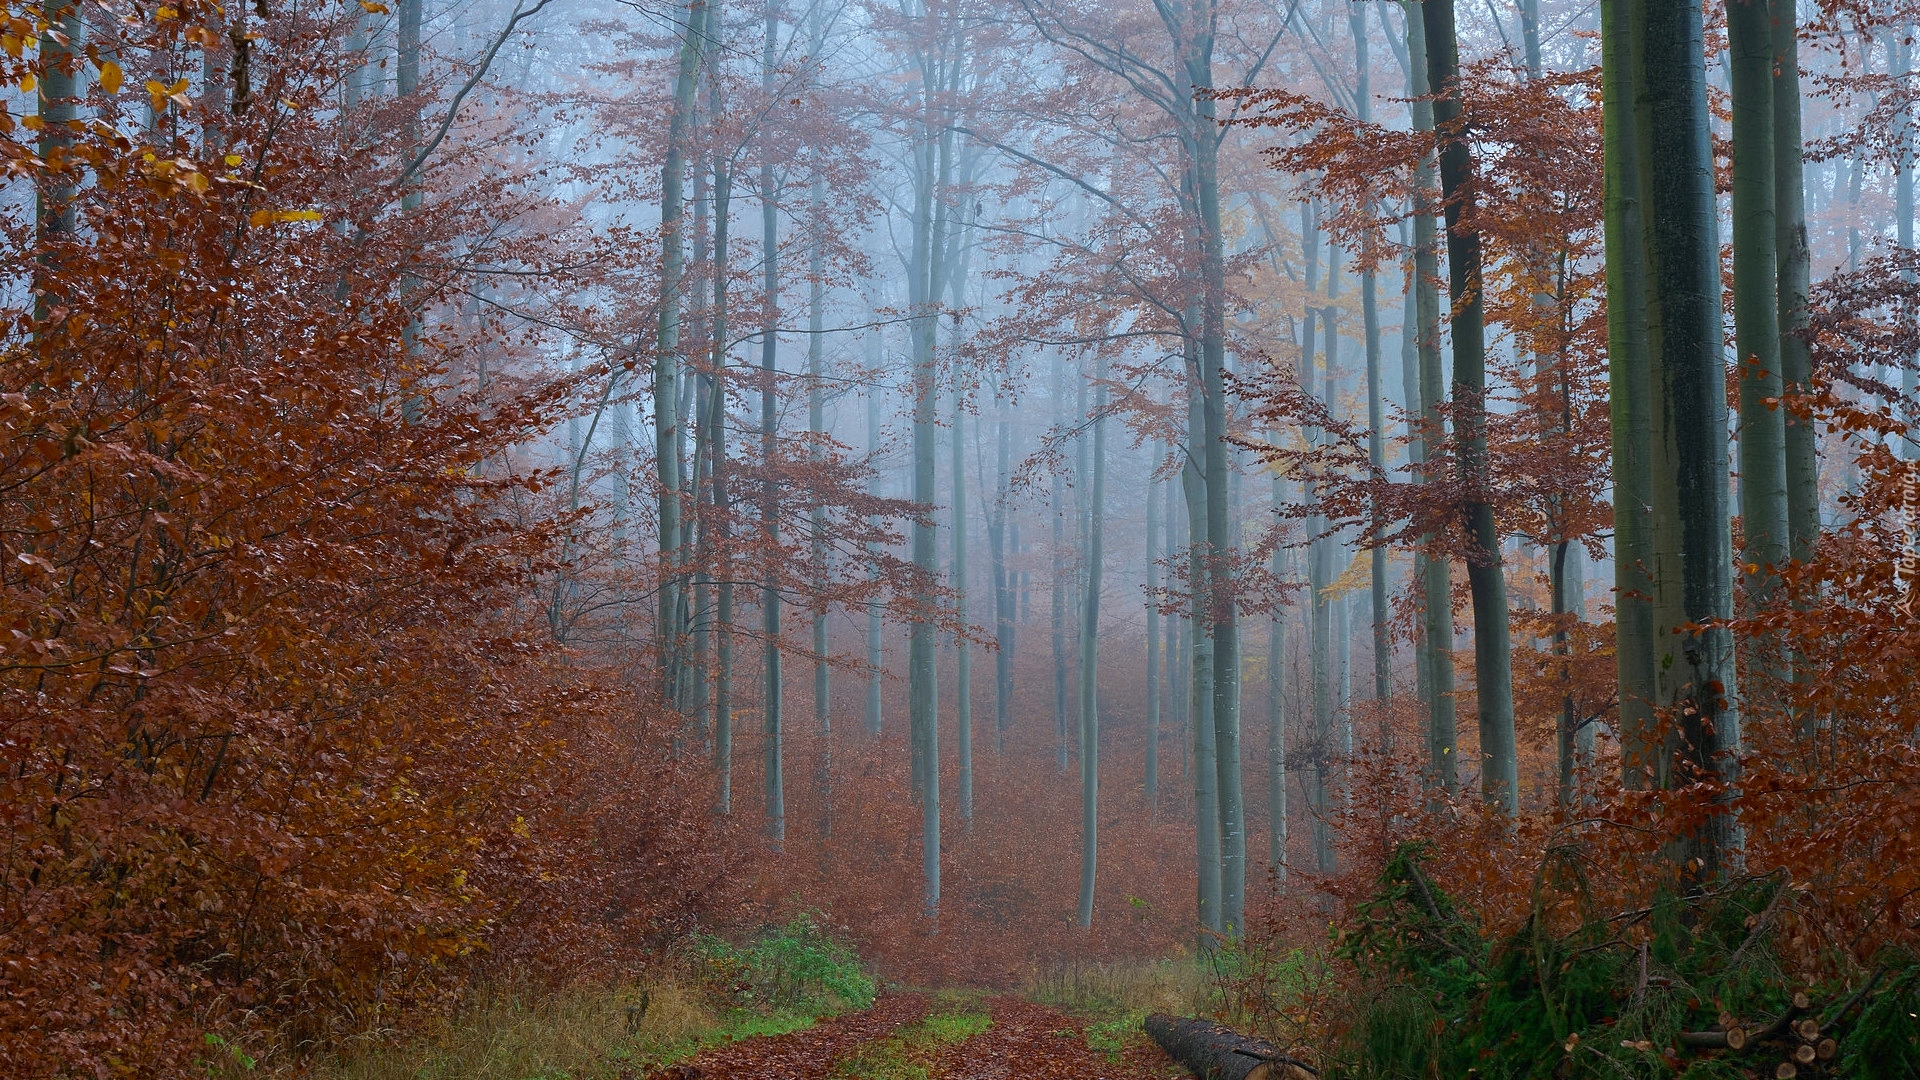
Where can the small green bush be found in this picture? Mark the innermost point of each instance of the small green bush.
(797, 968)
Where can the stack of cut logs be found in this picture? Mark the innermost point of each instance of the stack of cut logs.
(1802, 1032)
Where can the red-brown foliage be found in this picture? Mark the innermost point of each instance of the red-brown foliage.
(281, 746)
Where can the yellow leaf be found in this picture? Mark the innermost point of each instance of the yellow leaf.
(373, 8)
(110, 77)
(198, 182)
(233, 159)
(27, 83)
(268, 217)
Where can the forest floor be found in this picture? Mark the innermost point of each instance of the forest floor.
(951, 1036)
(905, 1034)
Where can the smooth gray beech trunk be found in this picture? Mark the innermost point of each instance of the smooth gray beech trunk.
(930, 267)
(1763, 479)
(669, 623)
(963, 657)
(1176, 646)
(1486, 577)
(1003, 585)
(1058, 593)
(1153, 635)
(1090, 658)
(771, 686)
(1436, 586)
(1200, 699)
(1379, 614)
(1793, 265)
(714, 534)
(53, 215)
(1693, 584)
(1276, 707)
(1319, 574)
(876, 639)
(817, 515)
(1900, 49)
(1630, 395)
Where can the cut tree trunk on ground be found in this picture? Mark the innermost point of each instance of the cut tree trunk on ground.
(1215, 1052)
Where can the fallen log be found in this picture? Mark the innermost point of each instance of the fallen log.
(1217, 1052)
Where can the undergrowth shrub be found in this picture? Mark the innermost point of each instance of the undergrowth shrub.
(1577, 992)
(797, 968)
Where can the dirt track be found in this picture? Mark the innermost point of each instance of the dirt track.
(1024, 1042)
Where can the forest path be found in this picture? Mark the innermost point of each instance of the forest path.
(913, 1037)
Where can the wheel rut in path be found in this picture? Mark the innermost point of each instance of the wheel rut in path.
(1033, 1042)
(807, 1054)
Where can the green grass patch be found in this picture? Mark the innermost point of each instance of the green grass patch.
(1114, 1035)
(716, 992)
(657, 1053)
(909, 1053)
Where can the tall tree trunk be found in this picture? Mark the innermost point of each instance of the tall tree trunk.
(1200, 697)
(1153, 637)
(1793, 265)
(1090, 659)
(769, 419)
(1376, 408)
(963, 658)
(1276, 710)
(1319, 563)
(1900, 47)
(670, 627)
(53, 215)
(1630, 377)
(876, 639)
(930, 272)
(1436, 586)
(816, 453)
(1692, 528)
(715, 533)
(1223, 628)
(1003, 613)
(1763, 482)
(1058, 596)
(1176, 646)
(1486, 577)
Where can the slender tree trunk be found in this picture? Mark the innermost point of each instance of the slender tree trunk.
(1696, 672)
(1793, 267)
(1486, 578)
(876, 638)
(1376, 408)
(1200, 697)
(769, 419)
(930, 270)
(1319, 561)
(1276, 711)
(1224, 632)
(1090, 659)
(963, 658)
(1003, 613)
(719, 554)
(1058, 597)
(816, 453)
(1153, 637)
(1763, 482)
(667, 361)
(1900, 48)
(1436, 603)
